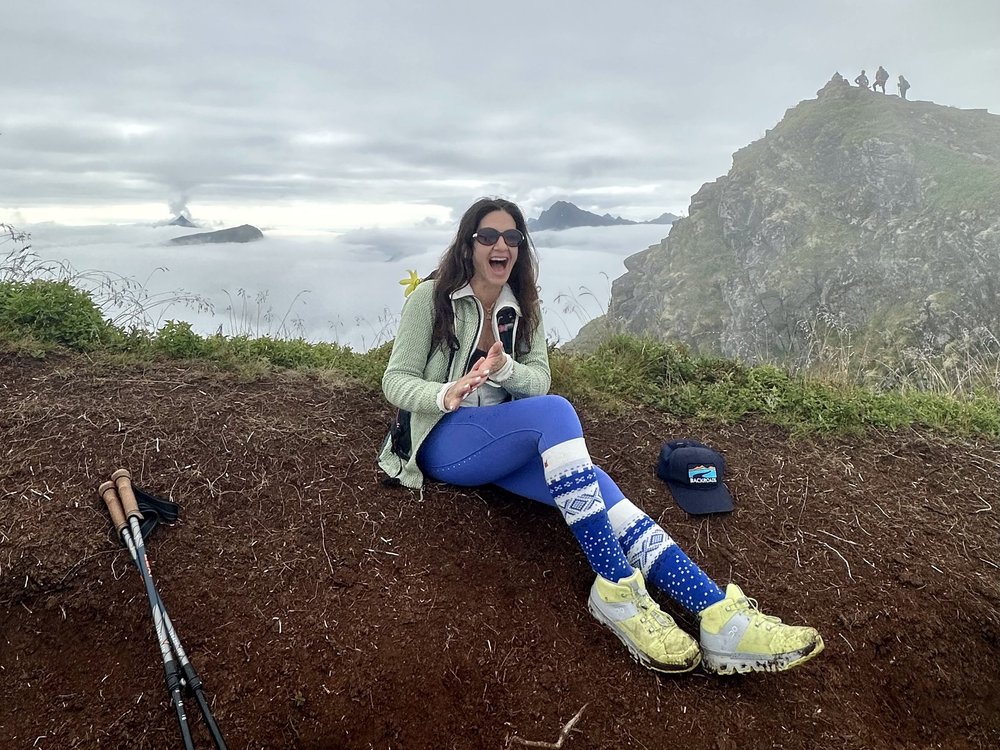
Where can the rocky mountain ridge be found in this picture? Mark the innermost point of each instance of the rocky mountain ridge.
(859, 220)
(565, 215)
(243, 233)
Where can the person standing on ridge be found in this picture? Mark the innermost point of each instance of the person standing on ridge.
(470, 364)
(903, 85)
(862, 80)
(881, 76)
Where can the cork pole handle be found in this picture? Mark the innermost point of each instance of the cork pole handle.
(110, 496)
(123, 481)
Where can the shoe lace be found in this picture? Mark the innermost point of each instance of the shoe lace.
(650, 610)
(758, 618)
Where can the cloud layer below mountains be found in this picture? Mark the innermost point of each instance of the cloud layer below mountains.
(337, 288)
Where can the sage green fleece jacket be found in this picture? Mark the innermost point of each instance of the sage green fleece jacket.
(414, 381)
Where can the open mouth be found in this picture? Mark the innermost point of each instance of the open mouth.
(498, 263)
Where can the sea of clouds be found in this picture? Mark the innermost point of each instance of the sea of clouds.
(341, 288)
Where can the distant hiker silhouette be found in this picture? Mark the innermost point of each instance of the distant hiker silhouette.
(881, 76)
(903, 85)
(862, 80)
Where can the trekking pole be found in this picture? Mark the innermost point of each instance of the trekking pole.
(192, 681)
(122, 520)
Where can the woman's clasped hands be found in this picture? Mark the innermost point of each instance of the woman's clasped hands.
(475, 377)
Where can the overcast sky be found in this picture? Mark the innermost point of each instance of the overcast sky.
(339, 114)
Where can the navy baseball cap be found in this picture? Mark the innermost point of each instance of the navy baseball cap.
(694, 474)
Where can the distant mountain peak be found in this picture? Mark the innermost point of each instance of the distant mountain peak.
(182, 221)
(565, 215)
(243, 233)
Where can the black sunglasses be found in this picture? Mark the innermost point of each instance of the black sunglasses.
(489, 237)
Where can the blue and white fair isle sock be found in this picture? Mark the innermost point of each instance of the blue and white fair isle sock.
(572, 481)
(652, 550)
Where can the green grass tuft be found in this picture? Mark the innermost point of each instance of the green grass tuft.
(51, 312)
(626, 369)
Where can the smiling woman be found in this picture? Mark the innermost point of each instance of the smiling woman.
(469, 371)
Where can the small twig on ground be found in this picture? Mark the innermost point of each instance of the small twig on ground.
(880, 508)
(551, 745)
(838, 555)
(838, 538)
(295, 729)
(322, 533)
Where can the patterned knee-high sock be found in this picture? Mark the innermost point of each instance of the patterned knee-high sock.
(652, 550)
(572, 481)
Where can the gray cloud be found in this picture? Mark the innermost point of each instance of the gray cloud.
(634, 106)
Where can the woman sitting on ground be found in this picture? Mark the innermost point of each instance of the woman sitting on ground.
(480, 415)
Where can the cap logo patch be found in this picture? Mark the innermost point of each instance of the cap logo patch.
(702, 474)
(695, 476)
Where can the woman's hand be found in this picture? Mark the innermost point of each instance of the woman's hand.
(463, 387)
(469, 382)
(494, 359)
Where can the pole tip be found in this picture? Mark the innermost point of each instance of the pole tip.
(119, 474)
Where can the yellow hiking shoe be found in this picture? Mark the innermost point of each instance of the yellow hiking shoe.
(738, 637)
(650, 634)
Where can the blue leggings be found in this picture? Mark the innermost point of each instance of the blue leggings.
(503, 445)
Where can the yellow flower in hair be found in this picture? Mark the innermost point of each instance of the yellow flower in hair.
(410, 282)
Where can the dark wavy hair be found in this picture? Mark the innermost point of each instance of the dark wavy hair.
(455, 270)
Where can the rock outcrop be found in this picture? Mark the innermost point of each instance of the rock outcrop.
(664, 218)
(861, 220)
(565, 215)
(244, 233)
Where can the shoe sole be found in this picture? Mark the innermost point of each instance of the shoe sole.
(725, 664)
(642, 658)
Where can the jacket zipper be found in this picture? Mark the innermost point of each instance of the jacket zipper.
(479, 332)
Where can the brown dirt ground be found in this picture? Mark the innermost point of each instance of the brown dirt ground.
(324, 610)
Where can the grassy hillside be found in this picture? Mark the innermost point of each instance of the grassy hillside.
(955, 150)
(40, 317)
